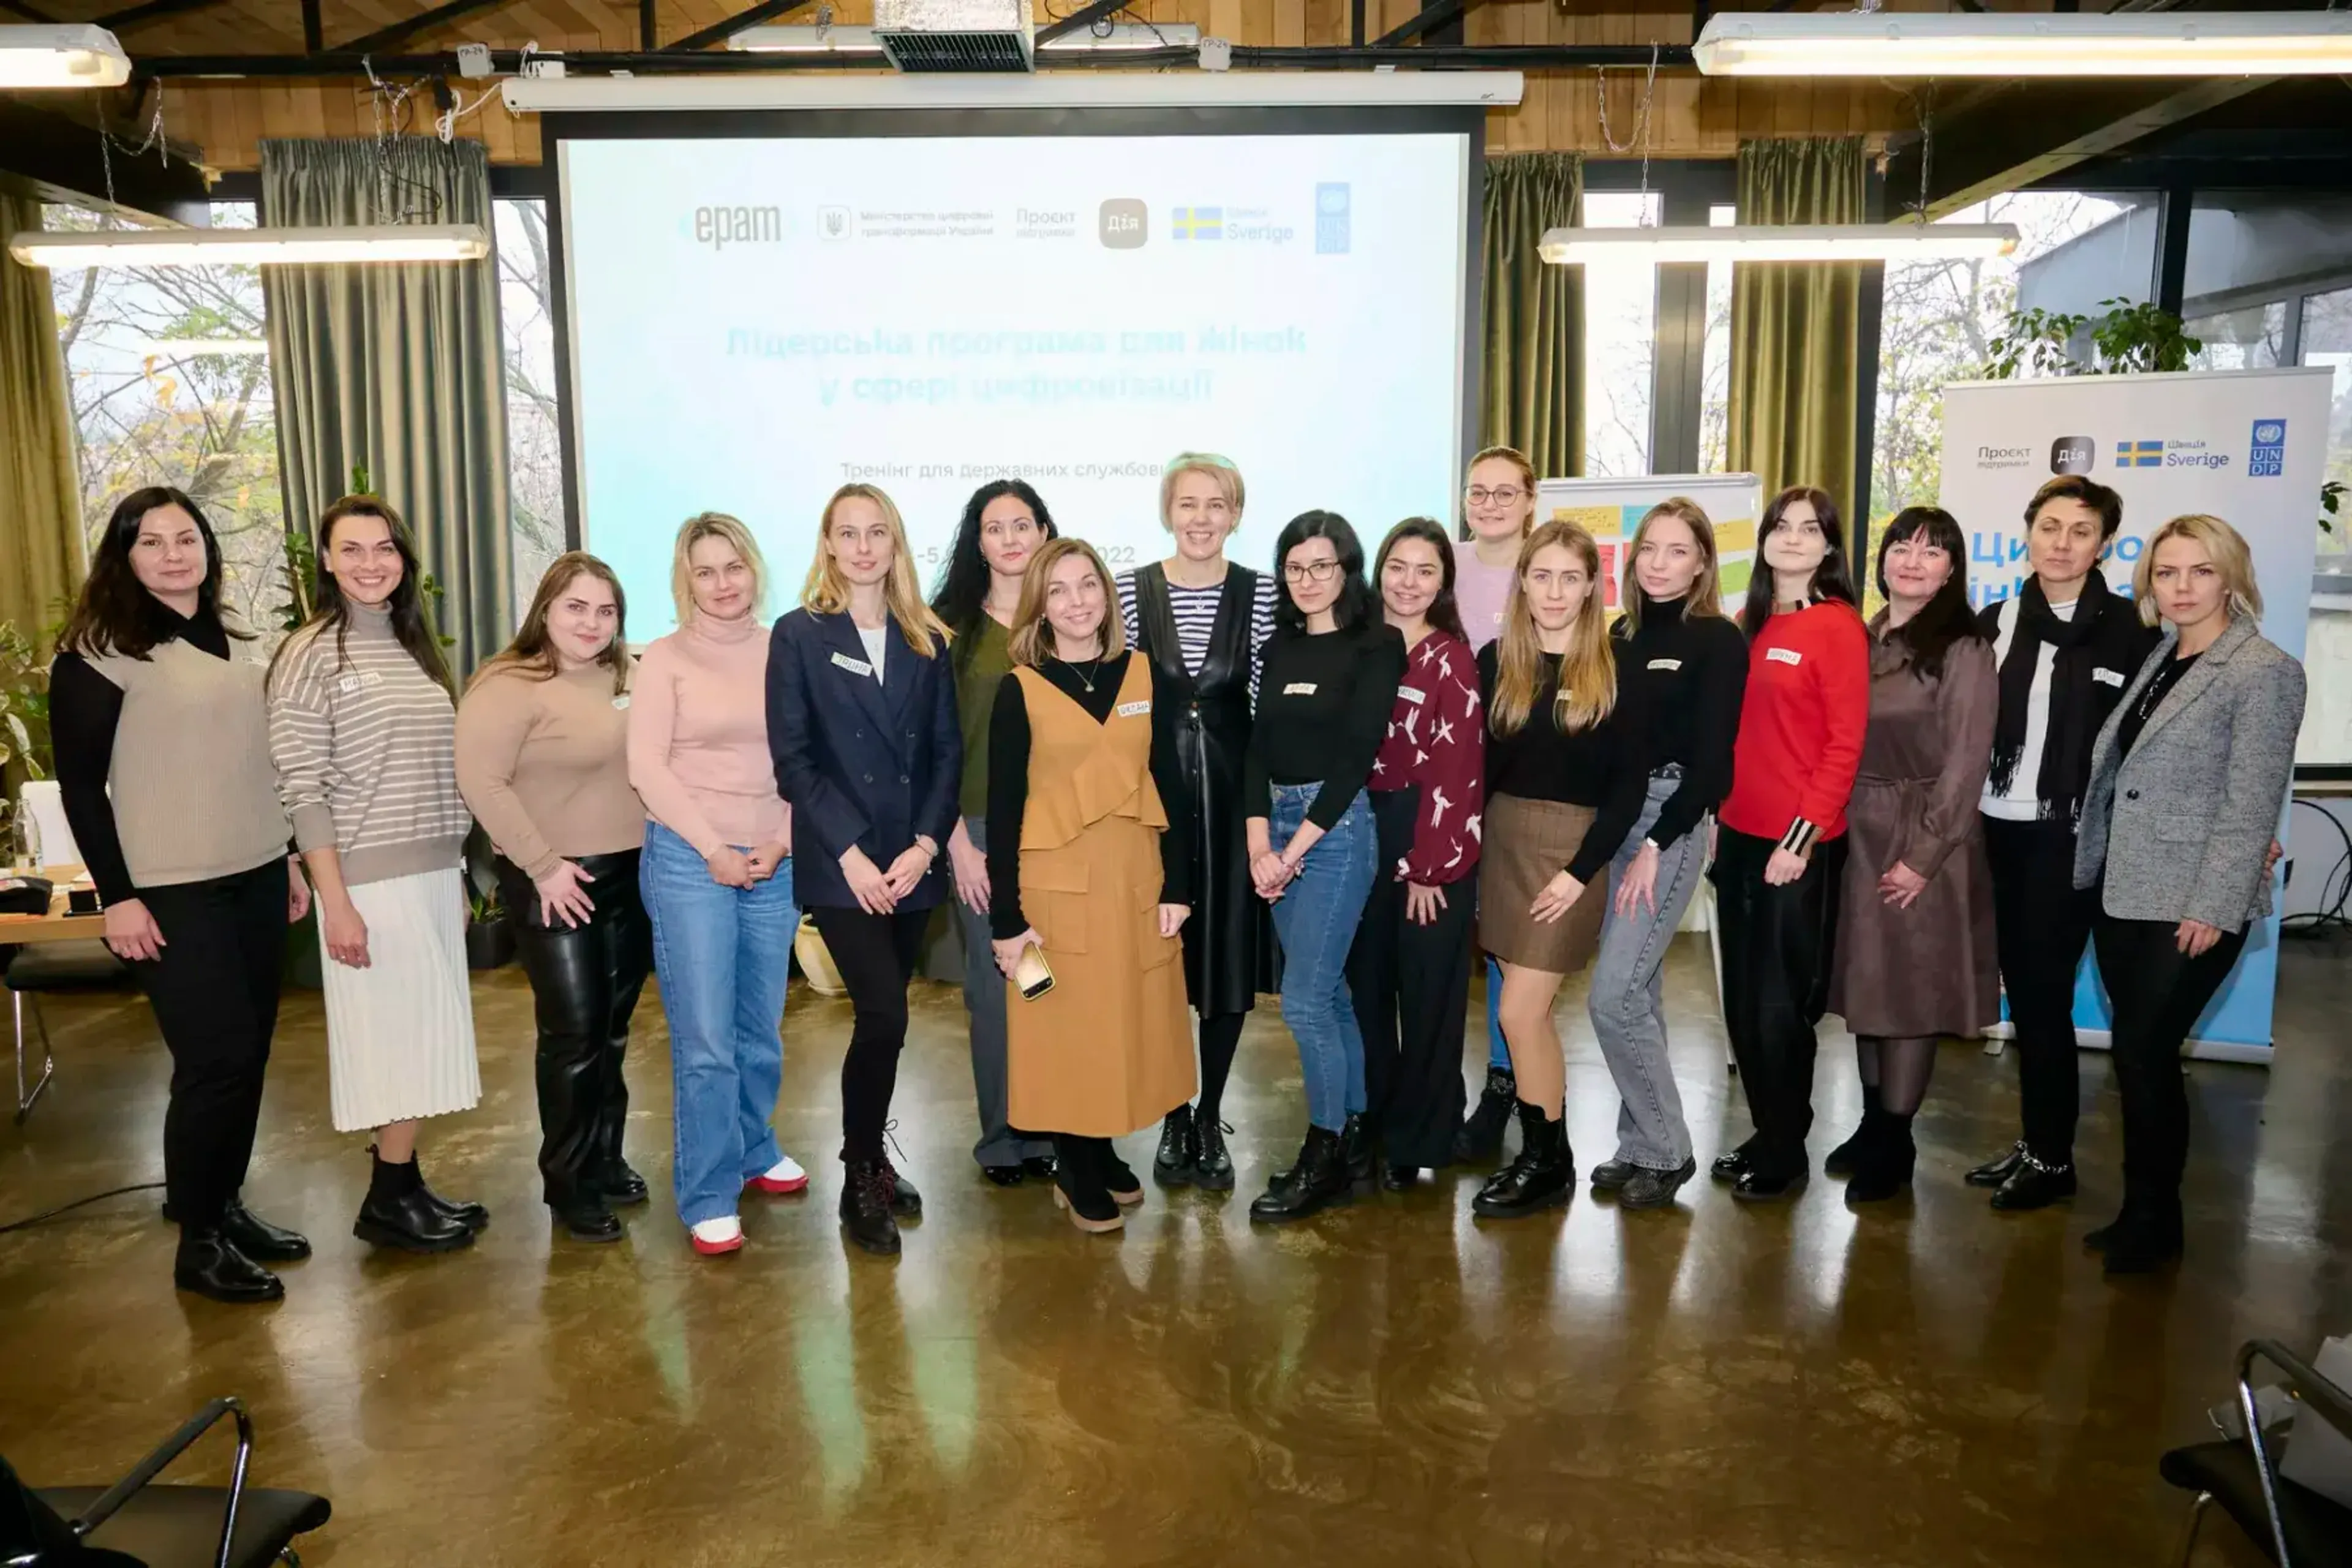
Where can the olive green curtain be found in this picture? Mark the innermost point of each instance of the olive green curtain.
(40, 487)
(1533, 396)
(398, 368)
(1795, 326)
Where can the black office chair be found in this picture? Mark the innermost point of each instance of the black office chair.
(133, 1525)
(2292, 1524)
(34, 970)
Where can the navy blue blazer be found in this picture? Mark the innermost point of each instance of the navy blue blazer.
(861, 763)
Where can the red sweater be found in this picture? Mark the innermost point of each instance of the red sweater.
(1800, 725)
(1437, 739)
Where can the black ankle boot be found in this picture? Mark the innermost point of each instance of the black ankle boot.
(473, 1216)
(1480, 1140)
(256, 1237)
(2143, 1239)
(398, 1212)
(1212, 1170)
(2033, 1184)
(587, 1217)
(619, 1182)
(1180, 1149)
(209, 1264)
(1847, 1157)
(1996, 1171)
(1316, 1182)
(868, 1198)
(1732, 1166)
(1356, 1146)
(1885, 1163)
(1541, 1175)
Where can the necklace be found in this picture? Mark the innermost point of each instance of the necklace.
(1085, 680)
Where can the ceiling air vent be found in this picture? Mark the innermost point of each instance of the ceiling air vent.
(955, 35)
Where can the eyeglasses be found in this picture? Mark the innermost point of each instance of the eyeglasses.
(1508, 495)
(1300, 570)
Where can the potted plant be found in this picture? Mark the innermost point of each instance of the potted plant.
(490, 926)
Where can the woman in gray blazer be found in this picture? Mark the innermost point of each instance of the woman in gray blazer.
(2187, 779)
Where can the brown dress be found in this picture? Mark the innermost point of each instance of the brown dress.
(1929, 969)
(1110, 1048)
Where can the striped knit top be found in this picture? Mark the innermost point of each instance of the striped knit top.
(1195, 611)
(366, 748)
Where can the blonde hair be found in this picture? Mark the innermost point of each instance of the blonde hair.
(2225, 547)
(827, 590)
(1221, 469)
(1588, 672)
(1511, 455)
(716, 525)
(1706, 589)
(1031, 638)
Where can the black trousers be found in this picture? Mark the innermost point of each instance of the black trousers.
(2156, 992)
(1776, 952)
(214, 991)
(876, 955)
(584, 984)
(2040, 925)
(1410, 987)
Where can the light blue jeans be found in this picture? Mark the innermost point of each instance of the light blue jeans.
(1626, 1001)
(723, 955)
(1316, 919)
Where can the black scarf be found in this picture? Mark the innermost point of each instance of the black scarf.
(2075, 711)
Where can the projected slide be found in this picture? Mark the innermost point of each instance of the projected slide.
(755, 323)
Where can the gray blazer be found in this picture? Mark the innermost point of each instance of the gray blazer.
(2181, 825)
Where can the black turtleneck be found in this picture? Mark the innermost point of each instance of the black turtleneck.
(1687, 676)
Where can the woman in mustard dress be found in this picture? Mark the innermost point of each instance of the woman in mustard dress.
(1086, 831)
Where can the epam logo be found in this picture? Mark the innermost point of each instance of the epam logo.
(1125, 223)
(720, 227)
(2074, 455)
(2267, 460)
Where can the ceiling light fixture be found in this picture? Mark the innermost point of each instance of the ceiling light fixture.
(1789, 242)
(1873, 43)
(151, 248)
(857, 39)
(72, 56)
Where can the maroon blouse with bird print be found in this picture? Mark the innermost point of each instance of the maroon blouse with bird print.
(1437, 739)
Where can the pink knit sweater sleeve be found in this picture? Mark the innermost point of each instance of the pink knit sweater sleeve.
(652, 727)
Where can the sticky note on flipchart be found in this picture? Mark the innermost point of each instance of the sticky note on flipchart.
(1738, 535)
(1735, 574)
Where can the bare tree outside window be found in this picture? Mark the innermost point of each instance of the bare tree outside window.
(534, 447)
(1621, 340)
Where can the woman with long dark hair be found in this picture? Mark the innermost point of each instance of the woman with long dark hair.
(543, 763)
(1914, 946)
(1782, 846)
(364, 730)
(1005, 524)
(1409, 972)
(187, 844)
(1331, 676)
(1203, 621)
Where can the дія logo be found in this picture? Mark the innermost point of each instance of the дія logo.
(2140, 454)
(1331, 234)
(833, 221)
(1198, 222)
(2074, 455)
(2267, 460)
(1126, 223)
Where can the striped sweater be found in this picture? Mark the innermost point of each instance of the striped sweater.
(366, 745)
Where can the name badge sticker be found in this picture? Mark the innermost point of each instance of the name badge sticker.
(2108, 677)
(1665, 664)
(855, 665)
(1413, 694)
(1783, 655)
(622, 701)
(359, 680)
(1299, 689)
(1134, 709)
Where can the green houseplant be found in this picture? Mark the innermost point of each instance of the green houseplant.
(2127, 338)
(23, 721)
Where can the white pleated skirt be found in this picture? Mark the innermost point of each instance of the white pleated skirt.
(399, 1033)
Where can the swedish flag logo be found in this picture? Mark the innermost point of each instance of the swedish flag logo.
(2140, 454)
(1200, 223)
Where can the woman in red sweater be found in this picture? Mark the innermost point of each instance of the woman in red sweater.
(1782, 839)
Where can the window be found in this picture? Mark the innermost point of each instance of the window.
(2248, 339)
(1620, 341)
(169, 383)
(534, 447)
(2327, 738)
(1715, 358)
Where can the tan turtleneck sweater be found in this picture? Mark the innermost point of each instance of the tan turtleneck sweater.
(698, 736)
(543, 763)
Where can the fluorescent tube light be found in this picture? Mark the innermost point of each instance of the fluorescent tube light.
(1049, 89)
(199, 348)
(1793, 242)
(2012, 43)
(857, 39)
(146, 248)
(73, 56)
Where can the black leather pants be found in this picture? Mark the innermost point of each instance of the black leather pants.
(585, 981)
(1776, 942)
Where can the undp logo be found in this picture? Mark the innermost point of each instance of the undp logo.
(2267, 460)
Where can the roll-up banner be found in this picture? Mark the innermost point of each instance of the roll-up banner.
(2248, 446)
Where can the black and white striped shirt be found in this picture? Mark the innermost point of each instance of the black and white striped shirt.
(1195, 611)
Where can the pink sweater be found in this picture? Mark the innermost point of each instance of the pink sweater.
(698, 736)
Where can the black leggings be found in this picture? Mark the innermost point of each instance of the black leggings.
(2156, 992)
(214, 991)
(1776, 946)
(2041, 924)
(876, 955)
(584, 984)
(1221, 1038)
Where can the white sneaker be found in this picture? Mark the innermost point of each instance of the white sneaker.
(713, 1237)
(784, 1176)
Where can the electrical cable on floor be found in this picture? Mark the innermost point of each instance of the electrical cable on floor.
(78, 1203)
(2330, 910)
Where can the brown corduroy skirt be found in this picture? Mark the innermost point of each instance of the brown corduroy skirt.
(1524, 844)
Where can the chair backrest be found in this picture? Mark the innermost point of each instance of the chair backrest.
(31, 1531)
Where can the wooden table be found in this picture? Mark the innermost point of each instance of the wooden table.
(57, 925)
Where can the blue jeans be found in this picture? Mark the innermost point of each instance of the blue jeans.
(1316, 919)
(723, 955)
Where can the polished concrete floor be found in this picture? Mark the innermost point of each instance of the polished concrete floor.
(1922, 1383)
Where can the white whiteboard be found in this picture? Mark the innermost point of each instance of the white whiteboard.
(1609, 510)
